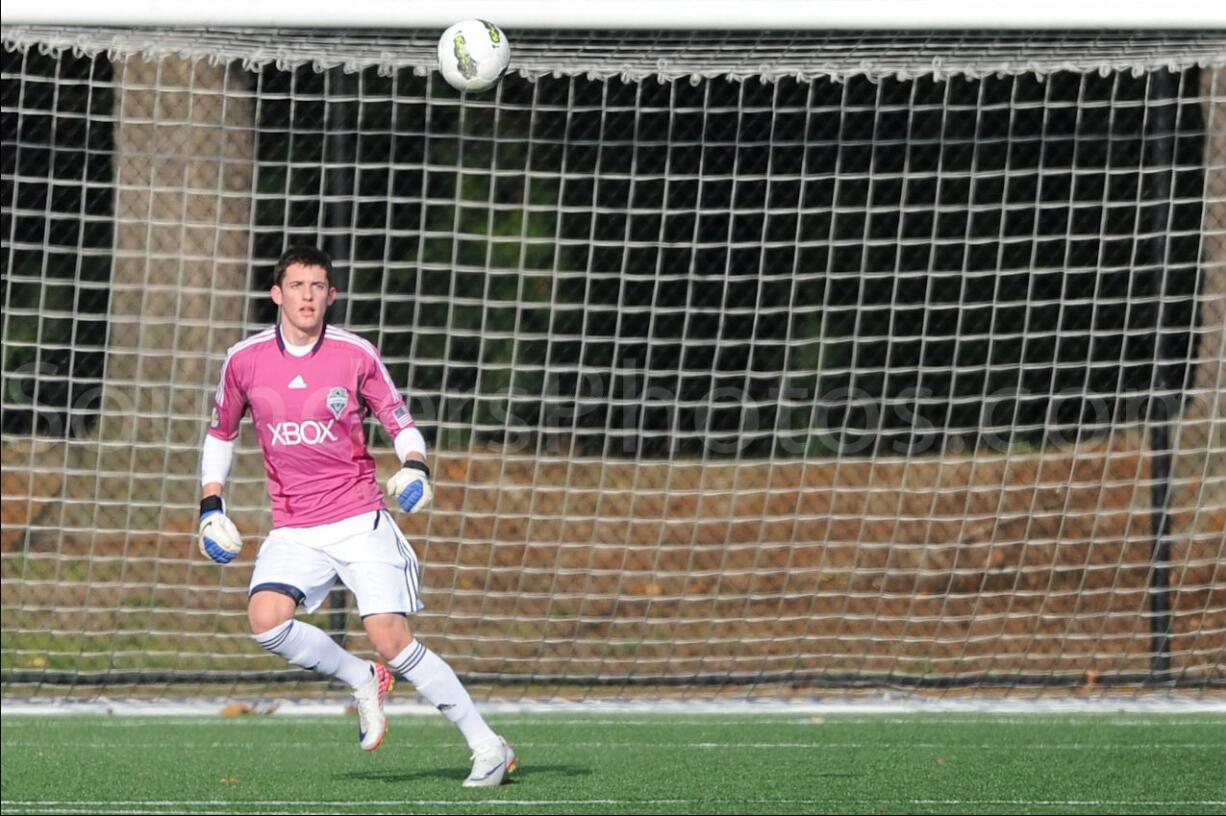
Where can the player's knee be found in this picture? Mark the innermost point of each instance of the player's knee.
(265, 614)
(389, 634)
(273, 638)
(391, 644)
(264, 623)
(390, 649)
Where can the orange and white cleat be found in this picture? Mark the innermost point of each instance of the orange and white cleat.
(372, 723)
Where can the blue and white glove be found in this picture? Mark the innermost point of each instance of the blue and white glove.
(411, 486)
(219, 539)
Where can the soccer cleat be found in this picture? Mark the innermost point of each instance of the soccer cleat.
(491, 765)
(372, 724)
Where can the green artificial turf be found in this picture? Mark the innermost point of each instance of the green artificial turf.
(624, 763)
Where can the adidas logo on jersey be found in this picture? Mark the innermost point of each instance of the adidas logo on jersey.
(297, 382)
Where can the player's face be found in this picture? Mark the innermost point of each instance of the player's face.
(304, 296)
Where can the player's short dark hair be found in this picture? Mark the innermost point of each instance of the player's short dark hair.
(305, 255)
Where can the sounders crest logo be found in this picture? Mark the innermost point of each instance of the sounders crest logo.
(338, 401)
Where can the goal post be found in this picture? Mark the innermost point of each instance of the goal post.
(609, 15)
(767, 362)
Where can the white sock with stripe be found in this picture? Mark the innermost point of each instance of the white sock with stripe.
(307, 646)
(435, 681)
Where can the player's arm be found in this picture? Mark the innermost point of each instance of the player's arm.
(411, 484)
(219, 538)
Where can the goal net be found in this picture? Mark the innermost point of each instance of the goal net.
(749, 363)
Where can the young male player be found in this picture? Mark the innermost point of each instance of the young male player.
(309, 386)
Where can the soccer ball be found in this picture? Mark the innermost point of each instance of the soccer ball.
(473, 55)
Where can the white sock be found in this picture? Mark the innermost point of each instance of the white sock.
(435, 681)
(307, 646)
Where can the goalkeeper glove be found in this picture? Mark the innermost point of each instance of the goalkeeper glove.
(411, 486)
(219, 539)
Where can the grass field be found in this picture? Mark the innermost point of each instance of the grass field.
(624, 763)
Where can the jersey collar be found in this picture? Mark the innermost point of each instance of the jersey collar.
(281, 340)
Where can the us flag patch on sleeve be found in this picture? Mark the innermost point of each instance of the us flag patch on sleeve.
(402, 416)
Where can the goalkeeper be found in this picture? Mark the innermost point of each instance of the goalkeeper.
(309, 386)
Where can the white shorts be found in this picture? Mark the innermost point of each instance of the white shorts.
(367, 553)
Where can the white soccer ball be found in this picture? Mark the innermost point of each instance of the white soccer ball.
(473, 55)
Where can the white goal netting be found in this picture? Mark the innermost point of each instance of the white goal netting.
(761, 363)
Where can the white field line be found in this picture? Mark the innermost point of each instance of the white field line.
(287, 804)
(887, 704)
(843, 719)
(23, 719)
(637, 744)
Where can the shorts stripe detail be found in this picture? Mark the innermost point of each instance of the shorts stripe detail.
(410, 577)
(412, 569)
(409, 663)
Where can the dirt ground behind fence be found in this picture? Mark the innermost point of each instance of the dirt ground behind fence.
(1030, 563)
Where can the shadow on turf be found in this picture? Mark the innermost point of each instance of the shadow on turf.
(458, 775)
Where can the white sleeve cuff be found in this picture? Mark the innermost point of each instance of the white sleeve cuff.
(215, 460)
(409, 441)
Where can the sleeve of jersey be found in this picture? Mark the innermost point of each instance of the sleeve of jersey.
(229, 403)
(384, 400)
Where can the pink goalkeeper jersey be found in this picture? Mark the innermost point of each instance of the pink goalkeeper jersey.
(309, 412)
